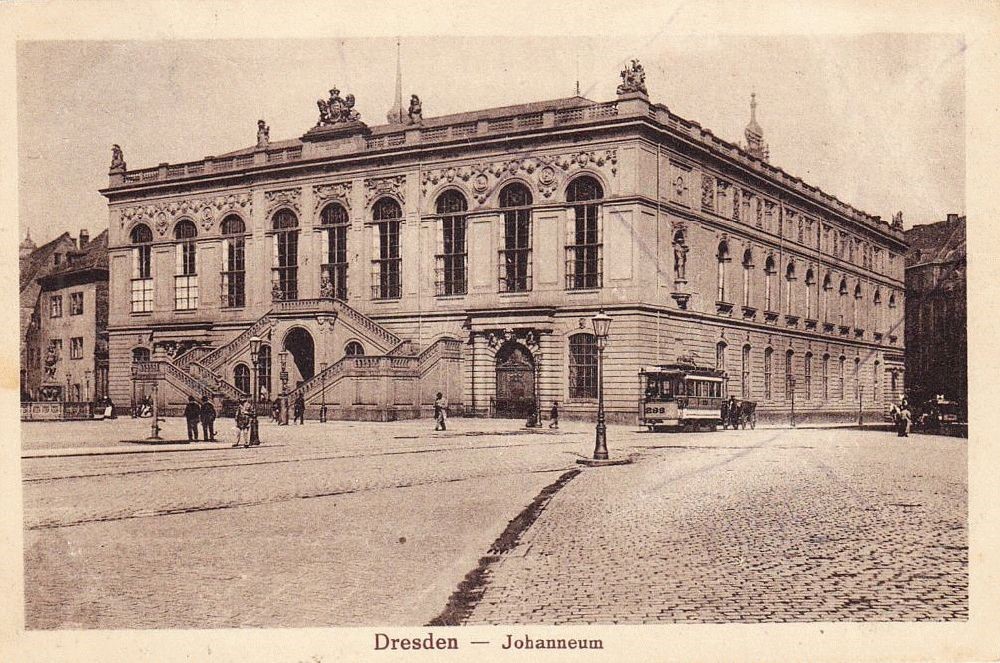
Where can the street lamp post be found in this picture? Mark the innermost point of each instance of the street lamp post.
(602, 322)
(86, 386)
(283, 375)
(791, 390)
(322, 380)
(254, 357)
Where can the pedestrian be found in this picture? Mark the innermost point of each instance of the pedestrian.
(299, 409)
(554, 415)
(276, 410)
(243, 412)
(192, 413)
(734, 413)
(440, 412)
(208, 419)
(905, 420)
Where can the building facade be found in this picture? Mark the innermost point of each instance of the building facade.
(467, 253)
(66, 333)
(936, 340)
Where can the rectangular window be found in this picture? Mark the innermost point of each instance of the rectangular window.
(286, 265)
(768, 353)
(142, 279)
(515, 257)
(186, 278)
(335, 266)
(745, 373)
(76, 347)
(76, 303)
(450, 277)
(583, 366)
(583, 248)
(55, 306)
(386, 272)
(234, 275)
(789, 379)
(826, 378)
(808, 376)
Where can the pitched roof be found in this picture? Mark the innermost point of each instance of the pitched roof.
(33, 265)
(939, 242)
(93, 256)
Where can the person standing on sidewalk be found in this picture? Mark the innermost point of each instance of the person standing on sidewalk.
(299, 409)
(192, 413)
(243, 422)
(440, 412)
(208, 419)
(554, 415)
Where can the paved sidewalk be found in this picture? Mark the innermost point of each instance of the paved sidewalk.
(763, 526)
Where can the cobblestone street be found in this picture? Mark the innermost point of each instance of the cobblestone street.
(352, 523)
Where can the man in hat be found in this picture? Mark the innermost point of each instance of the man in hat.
(208, 419)
(192, 413)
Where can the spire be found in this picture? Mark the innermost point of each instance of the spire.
(395, 114)
(754, 134)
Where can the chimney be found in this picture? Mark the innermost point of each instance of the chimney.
(84, 237)
(952, 218)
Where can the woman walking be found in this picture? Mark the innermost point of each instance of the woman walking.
(243, 412)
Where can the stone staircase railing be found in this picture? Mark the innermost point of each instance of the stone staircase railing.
(322, 380)
(441, 348)
(220, 355)
(194, 354)
(358, 319)
(165, 370)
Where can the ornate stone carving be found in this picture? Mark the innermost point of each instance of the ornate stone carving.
(545, 172)
(680, 255)
(897, 221)
(394, 185)
(117, 158)
(282, 198)
(336, 110)
(326, 193)
(263, 134)
(51, 359)
(161, 223)
(707, 191)
(633, 79)
(205, 210)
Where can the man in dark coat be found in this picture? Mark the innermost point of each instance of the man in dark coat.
(192, 412)
(208, 419)
(299, 409)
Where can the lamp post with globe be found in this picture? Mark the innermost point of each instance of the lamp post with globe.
(602, 323)
(254, 358)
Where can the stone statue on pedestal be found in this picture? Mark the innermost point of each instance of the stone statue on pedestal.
(117, 158)
(633, 79)
(416, 111)
(263, 134)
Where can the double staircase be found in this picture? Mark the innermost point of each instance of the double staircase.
(199, 371)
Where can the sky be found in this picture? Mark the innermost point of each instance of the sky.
(876, 120)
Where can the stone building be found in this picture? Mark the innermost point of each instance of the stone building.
(467, 253)
(936, 340)
(66, 334)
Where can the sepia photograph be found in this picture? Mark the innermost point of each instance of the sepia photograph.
(517, 333)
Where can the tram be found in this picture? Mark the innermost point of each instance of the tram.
(681, 395)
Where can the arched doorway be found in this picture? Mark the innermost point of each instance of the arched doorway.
(515, 381)
(299, 344)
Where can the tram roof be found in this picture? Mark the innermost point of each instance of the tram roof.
(685, 369)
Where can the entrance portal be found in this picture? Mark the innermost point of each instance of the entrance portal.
(299, 344)
(515, 381)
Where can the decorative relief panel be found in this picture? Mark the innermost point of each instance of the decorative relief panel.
(394, 185)
(205, 211)
(283, 198)
(707, 192)
(327, 193)
(546, 172)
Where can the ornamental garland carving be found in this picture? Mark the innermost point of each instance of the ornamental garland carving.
(282, 198)
(377, 186)
(205, 211)
(545, 172)
(326, 193)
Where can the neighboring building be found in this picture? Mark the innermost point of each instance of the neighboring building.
(67, 331)
(489, 239)
(936, 341)
(34, 263)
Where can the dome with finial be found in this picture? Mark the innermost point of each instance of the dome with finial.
(27, 246)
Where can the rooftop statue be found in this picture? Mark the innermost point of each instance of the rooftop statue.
(117, 158)
(633, 79)
(337, 110)
(263, 134)
(897, 220)
(416, 112)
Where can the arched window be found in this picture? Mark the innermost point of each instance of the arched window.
(451, 257)
(140, 354)
(768, 277)
(747, 268)
(142, 269)
(857, 306)
(720, 356)
(186, 272)
(827, 287)
(826, 377)
(333, 278)
(807, 378)
(768, 357)
(789, 376)
(810, 287)
(387, 276)
(285, 257)
(722, 256)
(241, 378)
(583, 234)
(234, 255)
(354, 349)
(841, 316)
(515, 256)
(264, 373)
(789, 291)
(745, 373)
(583, 366)
(842, 380)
